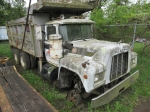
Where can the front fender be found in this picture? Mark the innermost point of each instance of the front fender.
(74, 64)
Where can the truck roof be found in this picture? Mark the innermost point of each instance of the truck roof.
(70, 21)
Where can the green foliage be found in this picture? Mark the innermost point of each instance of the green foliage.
(120, 12)
(11, 10)
(98, 16)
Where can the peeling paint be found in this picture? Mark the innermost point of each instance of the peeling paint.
(99, 62)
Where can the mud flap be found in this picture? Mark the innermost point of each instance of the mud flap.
(114, 91)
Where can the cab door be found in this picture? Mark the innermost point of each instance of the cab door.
(49, 31)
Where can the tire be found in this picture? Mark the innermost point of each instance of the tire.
(25, 61)
(1, 65)
(33, 62)
(17, 56)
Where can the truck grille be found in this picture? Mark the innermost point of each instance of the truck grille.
(119, 65)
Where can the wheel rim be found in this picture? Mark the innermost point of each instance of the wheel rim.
(22, 62)
(16, 59)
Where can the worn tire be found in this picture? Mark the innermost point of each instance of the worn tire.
(33, 62)
(25, 61)
(17, 56)
(1, 65)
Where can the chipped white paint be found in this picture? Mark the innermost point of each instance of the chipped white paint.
(99, 63)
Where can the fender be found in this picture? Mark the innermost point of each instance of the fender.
(65, 78)
(80, 66)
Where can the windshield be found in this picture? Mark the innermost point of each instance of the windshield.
(72, 32)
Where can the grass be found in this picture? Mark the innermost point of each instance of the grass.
(5, 50)
(55, 97)
(125, 102)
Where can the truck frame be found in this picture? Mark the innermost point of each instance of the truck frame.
(63, 44)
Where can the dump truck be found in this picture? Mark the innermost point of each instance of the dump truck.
(61, 43)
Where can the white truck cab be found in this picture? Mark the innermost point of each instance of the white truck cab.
(78, 56)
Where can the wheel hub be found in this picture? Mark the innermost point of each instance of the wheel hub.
(75, 97)
(22, 62)
(15, 56)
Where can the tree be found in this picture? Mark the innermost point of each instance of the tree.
(99, 3)
(120, 12)
(11, 10)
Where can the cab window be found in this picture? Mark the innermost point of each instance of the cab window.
(51, 30)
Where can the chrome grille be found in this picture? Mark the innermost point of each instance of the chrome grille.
(119, 65)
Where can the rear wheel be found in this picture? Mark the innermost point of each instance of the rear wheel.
(17, 56)
(25, 61)
(33, 62)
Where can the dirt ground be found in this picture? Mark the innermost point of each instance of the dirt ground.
(143, 105)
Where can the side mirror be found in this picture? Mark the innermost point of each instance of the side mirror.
(55, 36)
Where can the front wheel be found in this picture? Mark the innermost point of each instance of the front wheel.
(74, 97)
(25, 61)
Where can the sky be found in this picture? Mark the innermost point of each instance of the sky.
(34, 1)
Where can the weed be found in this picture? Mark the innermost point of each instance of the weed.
(5, 50)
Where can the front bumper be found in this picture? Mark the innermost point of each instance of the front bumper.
(114, 91)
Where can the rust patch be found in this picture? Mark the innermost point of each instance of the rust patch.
(74, 50)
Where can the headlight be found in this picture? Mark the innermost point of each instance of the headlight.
(96, 78)
(133, 61)
(99, 77)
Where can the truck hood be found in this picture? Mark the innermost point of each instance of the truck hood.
(95, 45)
(91, 46)
(96, 52)
(92, 57)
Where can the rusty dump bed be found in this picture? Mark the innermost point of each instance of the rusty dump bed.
(16, 95)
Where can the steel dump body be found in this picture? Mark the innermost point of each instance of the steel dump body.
(15, 32)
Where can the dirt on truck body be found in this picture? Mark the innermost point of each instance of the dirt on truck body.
(68, 54)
